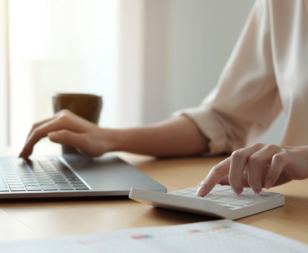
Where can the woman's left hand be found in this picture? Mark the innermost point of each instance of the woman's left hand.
(258, 166)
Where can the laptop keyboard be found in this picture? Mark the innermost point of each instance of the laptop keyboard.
(47, 174)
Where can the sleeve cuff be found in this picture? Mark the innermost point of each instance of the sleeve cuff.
(210, 125)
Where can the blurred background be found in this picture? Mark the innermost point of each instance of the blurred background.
(147, 58)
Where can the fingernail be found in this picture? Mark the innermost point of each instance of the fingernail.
(198, 189)
(23, 154)
(237, 190)
(54, 136)
(201, 190)
(257, 191)
(268, 183)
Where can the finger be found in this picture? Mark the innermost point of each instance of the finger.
(37, 134)
(67, 137)
(54, 125)
(38, 124)
(225, 180)
(279, 161)
(216, 174)
(63, 114)
(245, 175)
(238, 162)
(256, 164)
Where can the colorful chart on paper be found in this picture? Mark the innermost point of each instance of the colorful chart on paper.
(215, 236)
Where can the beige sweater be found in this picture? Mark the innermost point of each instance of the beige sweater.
(267, 72)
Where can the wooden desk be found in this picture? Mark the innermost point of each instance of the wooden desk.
(43, 218)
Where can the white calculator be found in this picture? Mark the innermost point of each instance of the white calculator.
(221, 202)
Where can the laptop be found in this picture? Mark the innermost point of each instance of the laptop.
(70, 176)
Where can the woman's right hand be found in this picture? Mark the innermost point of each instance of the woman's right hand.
(258, 166)
(67, 128)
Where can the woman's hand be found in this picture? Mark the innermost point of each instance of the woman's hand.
(177, 136)
(69, 129)
(258, 166)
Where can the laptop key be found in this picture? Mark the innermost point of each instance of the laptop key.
(57, 178)
(16, 185)
(46, 181)
(12, 178)
(13, 181)
(17, 189)
(79, 185)
(65, 187)
(81, 188)
(73, 178)
(29, 181)
(49, 187)
(34, 188)
(60, 182)
(2, 182)
(75, 182)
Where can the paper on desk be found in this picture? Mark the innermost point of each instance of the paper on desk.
(215, 236)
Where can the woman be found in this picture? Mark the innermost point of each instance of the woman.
(267, 71)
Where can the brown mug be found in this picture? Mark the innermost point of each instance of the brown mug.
(87, 106)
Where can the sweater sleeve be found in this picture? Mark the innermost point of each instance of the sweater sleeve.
(246, 99)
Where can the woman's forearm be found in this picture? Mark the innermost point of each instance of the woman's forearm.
(175, 137)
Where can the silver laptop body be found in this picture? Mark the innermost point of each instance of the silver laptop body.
(70, 176)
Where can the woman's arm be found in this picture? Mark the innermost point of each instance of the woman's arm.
(175, 137)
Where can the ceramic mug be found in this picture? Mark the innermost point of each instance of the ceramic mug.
(87, 106)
